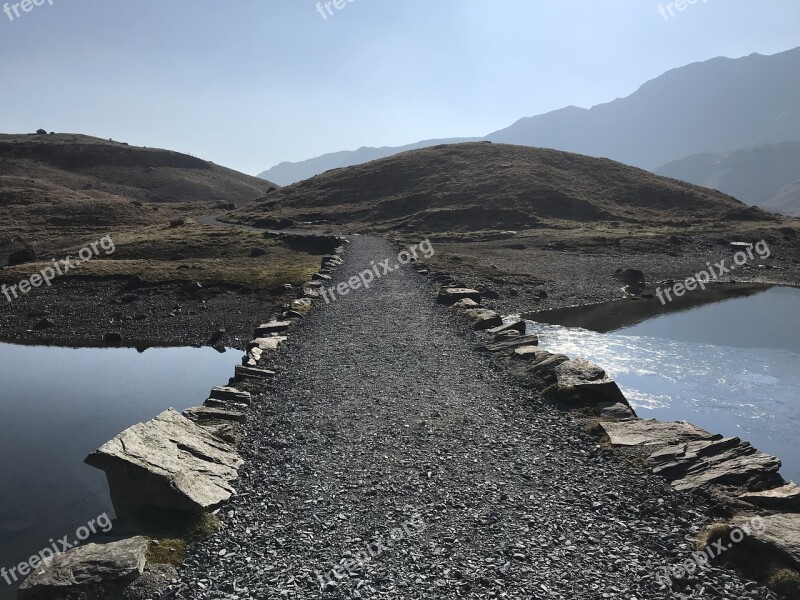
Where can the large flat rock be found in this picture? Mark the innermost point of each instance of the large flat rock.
(649, 432)
(169, 462)
(80, 567)
(726, 462)
(452, 295)
(785, 497)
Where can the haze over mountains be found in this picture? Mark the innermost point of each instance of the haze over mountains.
(767, 176)
(719, 105)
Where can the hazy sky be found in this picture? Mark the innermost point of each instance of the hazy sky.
(250, 83)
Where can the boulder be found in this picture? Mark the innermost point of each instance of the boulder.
(74, 570)
(170, 463)
(112, 337)
(649, 432)
(465, 304)
(630, 276)
(208, 415)
(272, 327)
(780, 532)
(481, 318)
(452, 295)
(257, 252)
(504, 346)
(518, 326)
(785, 498)
(230, 394)
(267, 344)
(247, 372)
(301, 306)
(582, 382)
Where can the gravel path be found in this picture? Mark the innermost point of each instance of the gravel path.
(389, 446)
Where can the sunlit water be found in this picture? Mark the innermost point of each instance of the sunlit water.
(732, 368)
(59, 404)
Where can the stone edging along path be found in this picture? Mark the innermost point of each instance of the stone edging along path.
(198, 461)
(176, 463)
(743, 481)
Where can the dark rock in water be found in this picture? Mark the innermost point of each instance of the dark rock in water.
(451, 295)
(170, 463)
(20, 257)
(256, 252)
(93, 564)
(630, 276)
(112, 337)
(44, 324)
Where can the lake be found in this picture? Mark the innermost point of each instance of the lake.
(730, 366)
(59, 404)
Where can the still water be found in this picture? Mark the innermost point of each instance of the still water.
(732, 367)
(59, 404)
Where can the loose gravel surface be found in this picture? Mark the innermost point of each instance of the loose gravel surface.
(389, 448)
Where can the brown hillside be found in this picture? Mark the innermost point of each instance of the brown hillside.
(105, 168)
(481, 186)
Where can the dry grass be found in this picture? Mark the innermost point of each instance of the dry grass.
(210, 255)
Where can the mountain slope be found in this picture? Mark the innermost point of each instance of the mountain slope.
(717, 105)
(480, 186)
(755, 175)
(786, 201)
(288, 173)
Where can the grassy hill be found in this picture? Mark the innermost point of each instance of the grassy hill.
(55, 189)
(483, 186)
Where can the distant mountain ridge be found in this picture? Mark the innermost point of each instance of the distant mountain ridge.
(767, 176)
(714, 106)
(287, 173)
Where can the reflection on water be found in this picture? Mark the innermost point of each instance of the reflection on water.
(59, 404)
(731, 367)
